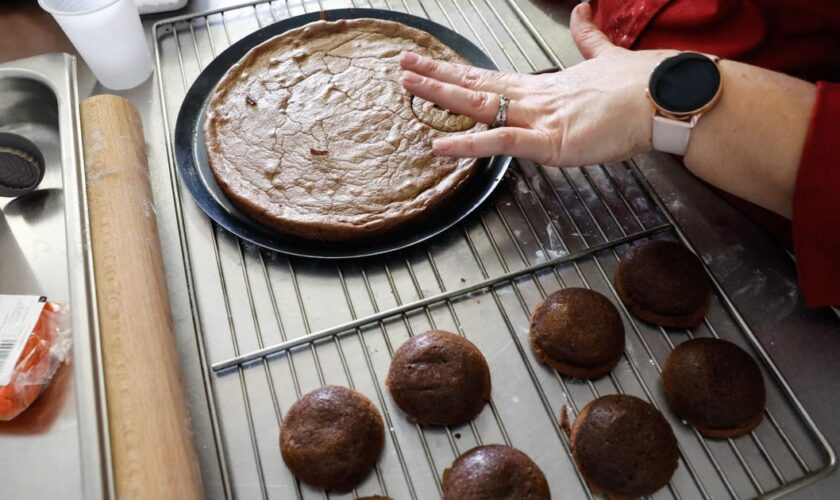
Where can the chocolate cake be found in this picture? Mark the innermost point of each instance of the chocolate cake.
(715, 386)
(624, 447)
(662, 282)
(494, 471)
(331, 438)
(578, 332)
(312, 133)
(439, 378)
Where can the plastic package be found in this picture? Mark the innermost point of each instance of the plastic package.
(47, 346)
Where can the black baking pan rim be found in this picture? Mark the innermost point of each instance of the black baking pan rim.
(195, 173)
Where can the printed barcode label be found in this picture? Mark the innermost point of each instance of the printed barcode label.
(6, 347)
(18, 316)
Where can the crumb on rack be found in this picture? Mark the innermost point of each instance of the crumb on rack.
(564, 419)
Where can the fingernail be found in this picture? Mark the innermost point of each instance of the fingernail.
(409, 57)
(441, 145)
(409, 77)
(585, 11)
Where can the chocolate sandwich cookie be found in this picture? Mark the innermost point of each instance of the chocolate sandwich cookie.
(715, 386)
(624, 447)
(578, 332)
(664, 283)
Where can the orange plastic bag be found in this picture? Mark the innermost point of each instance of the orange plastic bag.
(45, 349)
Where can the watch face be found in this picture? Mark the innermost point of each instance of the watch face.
(684, 83)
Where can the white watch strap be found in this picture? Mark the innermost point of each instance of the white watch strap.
(671, 136)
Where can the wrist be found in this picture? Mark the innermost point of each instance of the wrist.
(682, 88)
(643, 109)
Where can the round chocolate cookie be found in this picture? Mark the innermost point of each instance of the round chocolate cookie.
(664, 283)
(331, 438)
(623, 446)
(312, 133)
(715, 386)
(439, 378)
(578, 332)
(494, 471)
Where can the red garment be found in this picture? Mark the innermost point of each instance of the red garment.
(798, 38)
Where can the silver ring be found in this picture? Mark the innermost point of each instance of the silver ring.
(501, 115)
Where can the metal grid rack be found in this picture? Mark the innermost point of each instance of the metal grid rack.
(275, 327)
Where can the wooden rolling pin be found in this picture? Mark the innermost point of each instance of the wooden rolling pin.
(151, 439)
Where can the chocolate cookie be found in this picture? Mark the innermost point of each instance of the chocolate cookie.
(623, 446)
(578, 332)
(715, 386)
(494, 472)
(312, 134)
(331, 438)
(439, 378)
(664, 283)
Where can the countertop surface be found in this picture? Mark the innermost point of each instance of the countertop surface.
(756, 272)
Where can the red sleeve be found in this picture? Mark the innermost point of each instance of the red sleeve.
(624, 21)
(816, 203)
(727, 28)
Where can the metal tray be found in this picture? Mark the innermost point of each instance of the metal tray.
(274, 327)
(59, 447)
(191, 154)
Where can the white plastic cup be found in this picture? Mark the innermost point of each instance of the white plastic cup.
(109, 36)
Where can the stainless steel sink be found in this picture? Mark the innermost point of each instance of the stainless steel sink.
(59, 447)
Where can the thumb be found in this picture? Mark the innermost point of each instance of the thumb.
(590, 40)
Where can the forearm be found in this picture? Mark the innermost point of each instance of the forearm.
(750, 143)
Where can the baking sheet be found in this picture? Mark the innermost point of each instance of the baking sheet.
(571, 224)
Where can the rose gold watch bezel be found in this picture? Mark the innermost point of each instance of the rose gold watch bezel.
(688, 115)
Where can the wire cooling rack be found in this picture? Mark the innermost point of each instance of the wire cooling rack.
(271, 328)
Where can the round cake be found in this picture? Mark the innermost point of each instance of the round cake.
(331, 438)
(578, 332)
(439, 378)
(715, 386)
(494, 471)
(313, 135)
(662, 282)
(624, 447)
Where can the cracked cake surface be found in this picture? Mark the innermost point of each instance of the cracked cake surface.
(312, 133)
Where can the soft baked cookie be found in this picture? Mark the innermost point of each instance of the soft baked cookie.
(715, 386)
(332, 437)
(494, 472)
(578, 332)
(439, 378)
(664, 283)
(624, 447)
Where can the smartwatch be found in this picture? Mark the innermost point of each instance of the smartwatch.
(681, 89)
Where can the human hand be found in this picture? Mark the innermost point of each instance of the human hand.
(593, 112)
